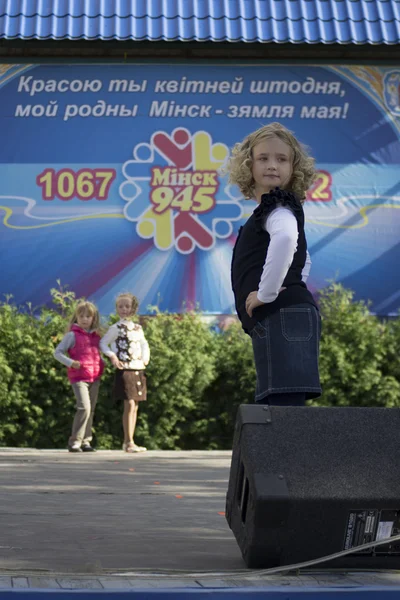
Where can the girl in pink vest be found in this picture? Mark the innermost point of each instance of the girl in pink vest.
(79, 351)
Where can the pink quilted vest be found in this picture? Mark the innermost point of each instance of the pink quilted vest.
(86, 350)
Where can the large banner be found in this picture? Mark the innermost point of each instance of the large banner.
(110, 178)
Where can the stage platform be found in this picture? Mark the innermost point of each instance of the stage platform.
(141, 525)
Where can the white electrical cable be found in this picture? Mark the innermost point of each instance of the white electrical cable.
(274, 570)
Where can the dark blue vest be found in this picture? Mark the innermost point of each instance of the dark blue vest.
(249, 256)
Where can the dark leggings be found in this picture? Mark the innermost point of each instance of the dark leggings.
(295, 399)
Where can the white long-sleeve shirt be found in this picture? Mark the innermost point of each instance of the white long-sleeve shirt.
(281, 224)
(126, 341)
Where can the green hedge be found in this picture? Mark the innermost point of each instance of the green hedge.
(196, 377)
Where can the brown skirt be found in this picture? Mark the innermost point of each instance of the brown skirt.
(130, 385)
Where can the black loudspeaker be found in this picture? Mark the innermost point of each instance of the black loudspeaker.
(307, 482)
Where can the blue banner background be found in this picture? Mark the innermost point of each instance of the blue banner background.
(176, 259)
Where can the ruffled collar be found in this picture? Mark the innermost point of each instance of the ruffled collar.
(270, 201)
(128, 323)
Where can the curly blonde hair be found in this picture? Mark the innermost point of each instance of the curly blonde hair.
(240, 163)
(131, 297)
(86, 307)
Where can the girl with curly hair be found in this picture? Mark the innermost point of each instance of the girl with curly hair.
(126, 346)
(270, 266)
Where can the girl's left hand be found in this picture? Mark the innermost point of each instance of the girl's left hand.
(252, 302)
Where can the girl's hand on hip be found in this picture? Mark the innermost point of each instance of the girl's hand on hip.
(76, 364)
(252, 302)
(116, 363)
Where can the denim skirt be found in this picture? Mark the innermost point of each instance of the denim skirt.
(286, 350)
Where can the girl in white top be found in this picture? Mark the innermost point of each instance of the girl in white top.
(127, 348)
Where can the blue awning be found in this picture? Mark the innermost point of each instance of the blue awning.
(281, 21)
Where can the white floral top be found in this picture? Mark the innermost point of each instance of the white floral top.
(126, 340)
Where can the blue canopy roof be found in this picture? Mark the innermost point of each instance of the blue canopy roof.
(282, 21)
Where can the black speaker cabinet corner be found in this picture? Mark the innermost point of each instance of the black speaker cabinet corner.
(308, 482)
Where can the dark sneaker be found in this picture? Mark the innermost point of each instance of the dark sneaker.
(87, 448)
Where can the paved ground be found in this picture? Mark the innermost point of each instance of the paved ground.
(110, 510)
(111, 520)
